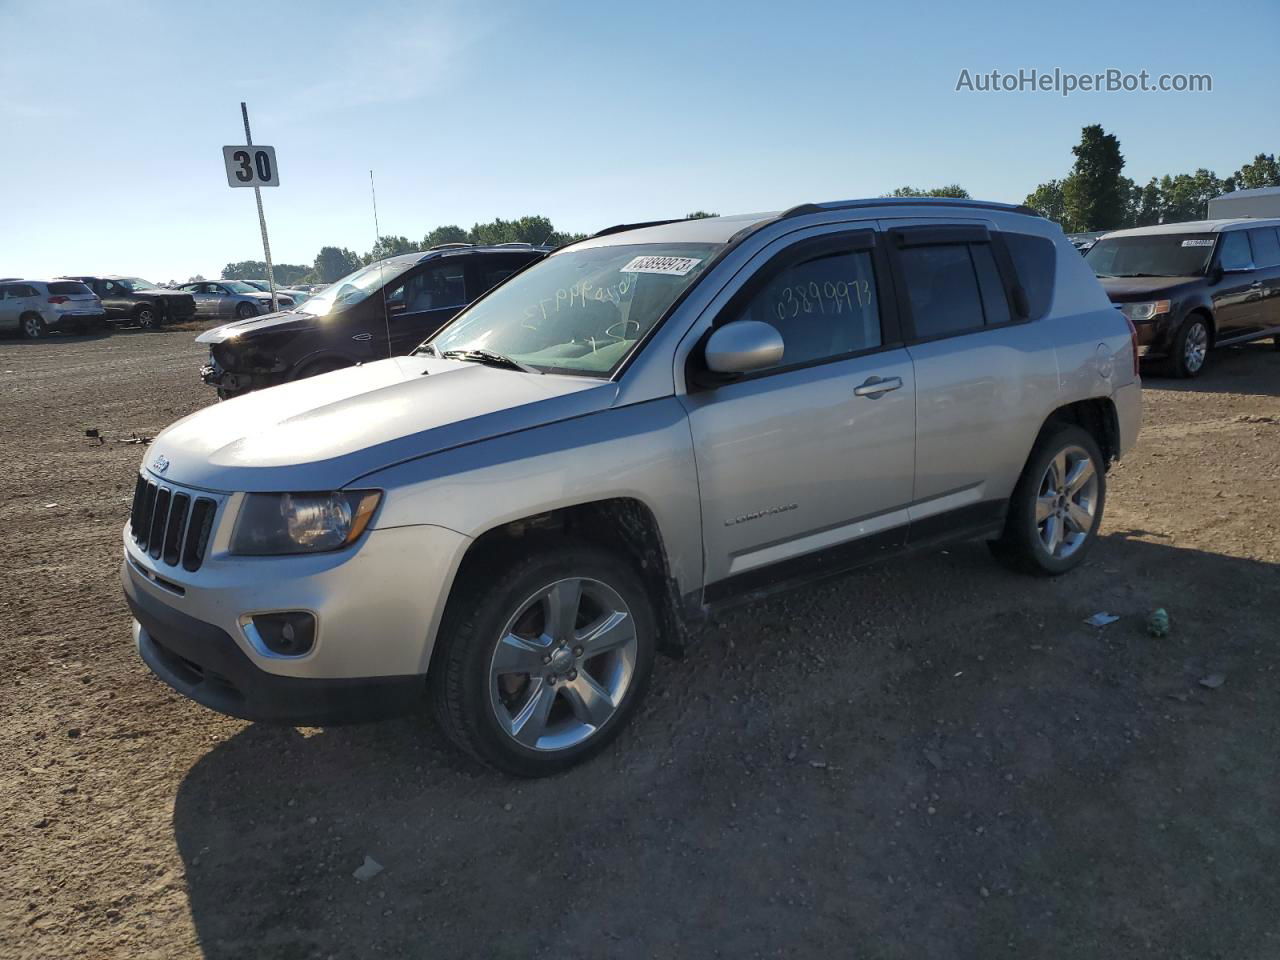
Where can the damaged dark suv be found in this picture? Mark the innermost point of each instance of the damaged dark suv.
(381, 310)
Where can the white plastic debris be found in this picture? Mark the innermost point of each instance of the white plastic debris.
(367, 870)
(1101, 619)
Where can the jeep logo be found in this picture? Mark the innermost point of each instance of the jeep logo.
(160, 464)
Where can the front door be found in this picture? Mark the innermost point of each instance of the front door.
(421, 301)
(1265, 242)
(116, 299)
(807, 465)
(1237, 297)
(11, 306)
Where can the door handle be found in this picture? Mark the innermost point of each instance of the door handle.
(876, 387)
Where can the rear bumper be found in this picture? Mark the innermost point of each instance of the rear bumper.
(71, 321)
(202, 662)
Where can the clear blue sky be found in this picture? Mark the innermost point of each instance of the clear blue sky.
(590, 113)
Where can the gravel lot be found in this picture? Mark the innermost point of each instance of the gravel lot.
(933, 758)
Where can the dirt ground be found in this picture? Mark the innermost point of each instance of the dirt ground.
(934, 758)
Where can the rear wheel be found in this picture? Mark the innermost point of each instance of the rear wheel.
(33, 327)
(544, 658)
(147, 317)
(1190, 347)
(1056, 507)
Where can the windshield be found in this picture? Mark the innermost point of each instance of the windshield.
(239, 286)
(581, 311)
(137, 283)
(353, 288)
(259, 285)
(1154, 255)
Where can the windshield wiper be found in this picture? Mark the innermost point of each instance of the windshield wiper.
(489, 359)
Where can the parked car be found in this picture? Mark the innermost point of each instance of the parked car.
(1190, 287)
(232, 298)
(296, 294)
(34, 307)
(134, 300)
(380, 310)
(645, 426)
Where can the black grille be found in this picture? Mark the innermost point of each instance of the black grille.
(170, 525)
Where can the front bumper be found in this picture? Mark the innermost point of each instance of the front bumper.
(203, 663)
(1155, 336)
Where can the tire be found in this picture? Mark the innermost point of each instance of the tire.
(33, 327)
(1029, 544)
(559, 712)
(1190, 348)
(244, 311)
(147, 316)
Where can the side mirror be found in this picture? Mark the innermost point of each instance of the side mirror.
(743, 346)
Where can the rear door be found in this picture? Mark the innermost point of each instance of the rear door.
(982, 369)
(421, 301)
(1265, 243)
(805, 466)
(10, 306)
(117, 301)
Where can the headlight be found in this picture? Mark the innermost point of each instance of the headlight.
(271, 524)
(1144, 311)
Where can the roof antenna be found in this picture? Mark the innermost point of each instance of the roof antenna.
(377, 235)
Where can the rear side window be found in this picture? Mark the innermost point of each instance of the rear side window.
(69, 288)
(942, 289)
(1234, 251)
(1266, 247)
(1035, 261)
(824, 307)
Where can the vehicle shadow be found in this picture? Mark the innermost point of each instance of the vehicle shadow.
(1249, 368)
(930, 758)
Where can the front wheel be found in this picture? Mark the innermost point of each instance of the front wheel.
(244, 311)
(543, 659)
(147, 317)
(1056, 507)
(1190, 348)
(33, 327)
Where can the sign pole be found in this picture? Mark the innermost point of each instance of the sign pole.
(262, 220)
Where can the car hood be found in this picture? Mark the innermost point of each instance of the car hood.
(324, 432)
(1129, 289)
(246, 328)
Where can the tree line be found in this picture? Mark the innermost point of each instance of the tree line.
(332, 263)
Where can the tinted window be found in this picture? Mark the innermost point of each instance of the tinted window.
(69, 288)
(995, 303)
(1151, 255)
(22, 290)
(1035, 260)
(942, 288)
(493, 270)
(1234, 251)
(1266, 247)
(824, 307)
(439, 285)
(6, 290)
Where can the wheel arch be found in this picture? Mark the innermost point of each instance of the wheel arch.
(622, 524)
(1097, 416)
(1206, 313)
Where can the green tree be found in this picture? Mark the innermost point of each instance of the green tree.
(1095, 196)
(285, 273)
(1047, 201)
(950, 190)
(1148, 204)
(1263, 171)
(699, 215)
(1186, 196)
(333, 263)
(391, 246)
(450, 233)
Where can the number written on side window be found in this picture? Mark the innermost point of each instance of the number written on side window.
(823, 308)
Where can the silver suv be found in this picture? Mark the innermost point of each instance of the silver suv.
(648, 424)
(35, 307)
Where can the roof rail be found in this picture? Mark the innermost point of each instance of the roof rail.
(806, 208)
(620, 227)
(450, 246)
(514, 243)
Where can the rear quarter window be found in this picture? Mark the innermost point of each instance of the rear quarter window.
(69, 288)
(1035, 260)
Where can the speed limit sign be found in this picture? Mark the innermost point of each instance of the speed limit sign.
(251, 166)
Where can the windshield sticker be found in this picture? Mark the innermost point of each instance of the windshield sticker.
(672, 266)
(1206, 242)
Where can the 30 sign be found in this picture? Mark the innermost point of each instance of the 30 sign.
(251, 166)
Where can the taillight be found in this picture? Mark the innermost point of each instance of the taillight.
(1133, 340)
(59, 299)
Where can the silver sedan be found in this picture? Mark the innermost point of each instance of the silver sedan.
(232, 298)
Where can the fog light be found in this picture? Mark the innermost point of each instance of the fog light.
(285, 634)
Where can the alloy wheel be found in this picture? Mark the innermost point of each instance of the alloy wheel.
(32, 327)
(1196, 347)
(1067, 502)
(563, 664)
